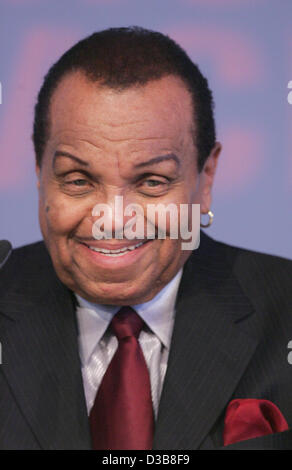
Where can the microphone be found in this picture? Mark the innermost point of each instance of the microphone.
(5, 251)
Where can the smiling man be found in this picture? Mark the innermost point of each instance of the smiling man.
(105, 143)
(121, 343)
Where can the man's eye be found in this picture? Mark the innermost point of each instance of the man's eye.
(78, 182)
(154, 187)
(153, 183)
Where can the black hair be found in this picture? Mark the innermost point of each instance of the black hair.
(123, 57)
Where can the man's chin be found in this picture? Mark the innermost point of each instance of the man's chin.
(115, 294)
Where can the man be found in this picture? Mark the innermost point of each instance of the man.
(125, 113)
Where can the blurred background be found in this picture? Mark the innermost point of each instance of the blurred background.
(244, 47)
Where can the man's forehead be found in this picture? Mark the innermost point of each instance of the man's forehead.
(167, 93)
(158, 114)
(96, 150)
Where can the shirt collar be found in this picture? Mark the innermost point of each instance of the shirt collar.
(158, 314)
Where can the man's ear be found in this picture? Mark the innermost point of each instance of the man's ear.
(207, 177)
(38, 174)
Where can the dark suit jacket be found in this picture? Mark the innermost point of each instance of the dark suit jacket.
(232, 328)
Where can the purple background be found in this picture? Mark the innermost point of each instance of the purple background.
(244, 48)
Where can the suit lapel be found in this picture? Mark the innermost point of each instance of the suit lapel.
(209, 350)
(47, 386)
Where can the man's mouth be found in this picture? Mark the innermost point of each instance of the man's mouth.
(119, 252)
(116, 250)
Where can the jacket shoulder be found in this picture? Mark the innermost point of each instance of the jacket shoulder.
(27, 265)
(257, 261)
(264, 277)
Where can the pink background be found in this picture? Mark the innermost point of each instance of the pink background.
(244, 48)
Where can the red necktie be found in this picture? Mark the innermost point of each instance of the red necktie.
(122, 415)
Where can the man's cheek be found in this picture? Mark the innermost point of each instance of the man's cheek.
(62, 216)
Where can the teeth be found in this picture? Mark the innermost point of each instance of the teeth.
(120, 252)
(134, 247)
(115, 254)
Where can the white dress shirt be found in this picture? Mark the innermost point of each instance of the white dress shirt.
(97, 344)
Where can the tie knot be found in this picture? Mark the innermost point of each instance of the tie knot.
(126, 322)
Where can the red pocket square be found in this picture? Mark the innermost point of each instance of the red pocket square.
(249, 418)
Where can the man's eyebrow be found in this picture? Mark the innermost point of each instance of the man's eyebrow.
(61, 153)
(152, 161)
(160, 158)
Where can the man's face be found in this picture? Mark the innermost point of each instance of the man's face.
(102, 144)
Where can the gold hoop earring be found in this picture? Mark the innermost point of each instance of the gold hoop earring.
(211, 217)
